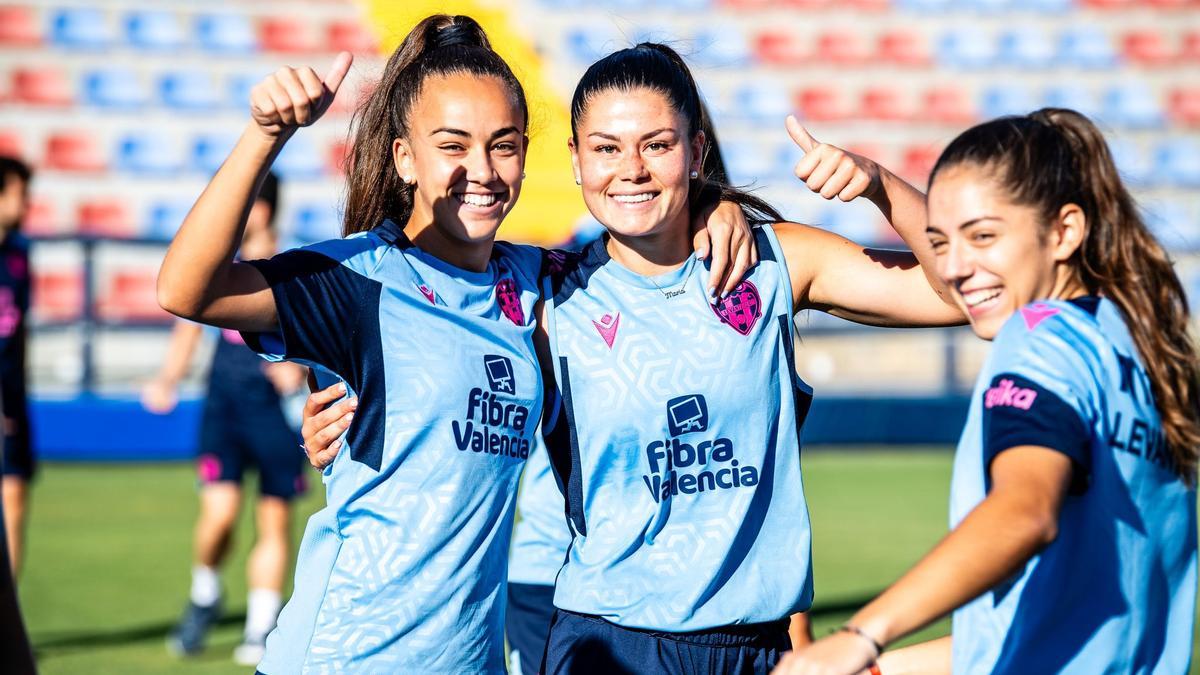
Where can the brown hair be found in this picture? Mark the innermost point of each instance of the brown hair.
(1054, 157)
(439, 45)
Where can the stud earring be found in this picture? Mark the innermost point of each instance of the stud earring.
(695, 174)
(522, 175)
(578, 182)
(407, 179)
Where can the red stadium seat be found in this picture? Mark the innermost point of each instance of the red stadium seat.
(948, 105)
(1190, 49)
(780, 47)
(1146, 47)
(73, 151)
(19, 27)
(350, 35)
(44, 85)
(750, 4)
(105, 217)
(130, 295)
(917, 162)
(840, 47)
(868, 5)
(1107, 4)
(805, 4)
(286, 35)
(1184, 106)
(338, 157)
(884, 103)
(11, 144)
(902, 47)
(821, 104)
(57, 295)
(41, 219)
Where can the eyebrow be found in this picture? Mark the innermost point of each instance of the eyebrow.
(970, 223)
(610, 137)
(459, 132)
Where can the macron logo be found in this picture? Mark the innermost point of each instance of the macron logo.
(428, 293)
(607, 326)
(500, 374)
(1007, 394)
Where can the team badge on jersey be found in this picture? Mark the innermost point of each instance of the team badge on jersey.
(607, 327)
(510, 301)
(499, 374)
(740, 309)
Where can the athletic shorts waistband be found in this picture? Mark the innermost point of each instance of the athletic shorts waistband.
(766, 634)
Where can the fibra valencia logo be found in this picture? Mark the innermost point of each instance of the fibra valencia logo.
(492, 424)
(677, 465)
(499, 374)
(687, 413)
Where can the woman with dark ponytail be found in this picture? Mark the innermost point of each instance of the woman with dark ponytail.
(1073, 502)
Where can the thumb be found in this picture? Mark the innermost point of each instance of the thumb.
(799, 134)
(337, 72)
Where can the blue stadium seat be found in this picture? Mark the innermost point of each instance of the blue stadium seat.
(1178, 162)
(226, 34)
(153, 30)
(1007, 99)
(163, 218)
(210, 150)
(79, 28)
(1086, 47)
(314, 222)
(189, 90)
(1044, 6)
(930, 6)
(300, 160)
(1132, 105)
(989, 6)
(148, 153)
(238, 87)
(765, 102)
(1073, 96)
(716, 48)
(587, 44)
(1178, 228)
(115, 88)
(1134, 165)
(747, 163)
(967, 48)
(1027, 48)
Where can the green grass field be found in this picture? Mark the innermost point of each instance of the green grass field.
(108, 562)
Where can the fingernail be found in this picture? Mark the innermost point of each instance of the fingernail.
(341, 388)
(335, 445)
(700, 254)
(353, 403)
(712, 292)
(347, 417)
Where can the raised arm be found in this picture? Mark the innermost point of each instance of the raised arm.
(199, 279)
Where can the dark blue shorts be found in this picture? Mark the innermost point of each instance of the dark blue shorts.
(526, 624)
(18, 450)
(232, 441)
(580, 644)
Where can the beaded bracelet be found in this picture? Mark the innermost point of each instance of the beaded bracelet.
(851, 628)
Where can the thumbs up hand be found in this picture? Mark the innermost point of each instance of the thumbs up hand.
(296, 97)
(830, 170)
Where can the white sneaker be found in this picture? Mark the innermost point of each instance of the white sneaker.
(249, 653)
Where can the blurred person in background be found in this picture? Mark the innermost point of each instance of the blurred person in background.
(244, 424)
(15, 652)
(19, 461)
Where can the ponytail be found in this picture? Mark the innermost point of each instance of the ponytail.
(659, 68)
(1054, 157)
(439, 45)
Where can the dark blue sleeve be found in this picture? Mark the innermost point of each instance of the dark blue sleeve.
(1018, 411)
(320, 303)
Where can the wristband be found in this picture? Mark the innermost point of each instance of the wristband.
(874, 670)
(851, 628)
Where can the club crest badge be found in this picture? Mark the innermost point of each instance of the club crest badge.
(740, 309)
(510, 301)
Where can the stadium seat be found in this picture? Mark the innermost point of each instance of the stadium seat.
(1146, 47)
(300, 160)
(147, 153)
(885, 103)
(586, 44)
(338, 157)
(1086, 47)
(41, 85)
(1007, 99)
(1132, 105)
(19, 27)
(948, 105)
(41, 219)
(192, 90)
(11, 143)
(917, 161)
(841, 48)
(131, 295)
(718, 48)
(73, 151)
(210, 150)
(1044, 6)
(902, 47)
(105, 217)
(988, 6)
(238, 87)
(1135, 166)
(926, 6)
(1108, 4)
(114, 87)
(163, 218)
(778, 46)
(761, 102)
(966, 49)
(747, 163)
(1072, 96)
(225, 33)
(1178, 162)
(1184, 106)
(80, 28)
(57, 295)
(1177, 227)
(285, 35)
(154, 30)
(350, 35)
(1026, 48)
(315, 222)
(822, 104)
(1189, 51)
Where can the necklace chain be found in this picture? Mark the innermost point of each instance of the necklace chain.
(682, 286)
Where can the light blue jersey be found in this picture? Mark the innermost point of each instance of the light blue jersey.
(681, 460)
(404, 570)
(541, 536)
(1116, 591)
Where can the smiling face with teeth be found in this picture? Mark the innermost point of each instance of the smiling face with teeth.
(997, 256)
(633, 155)
(464, 155)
